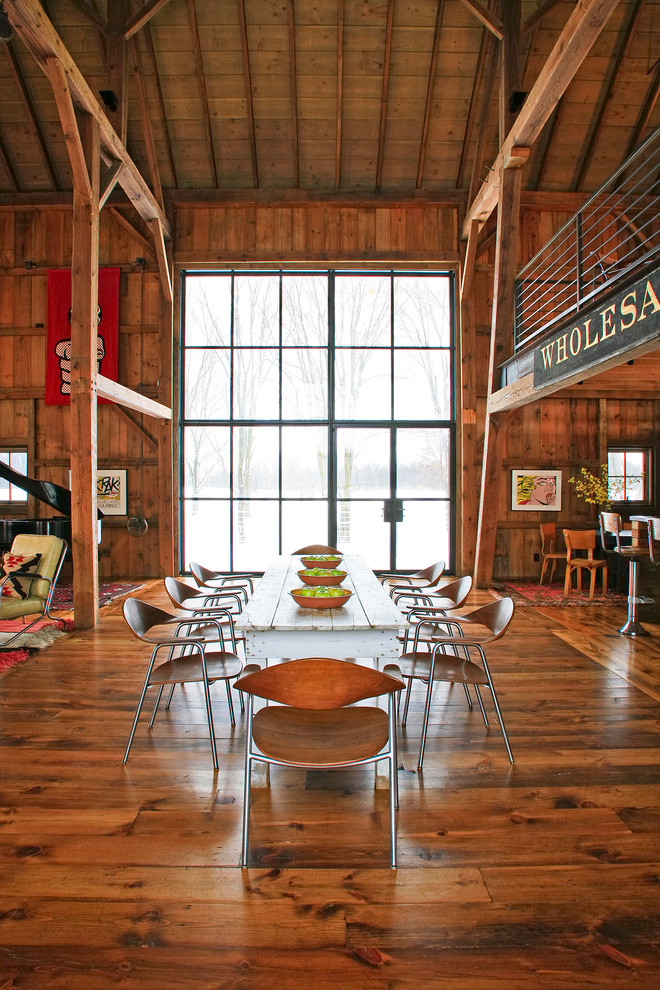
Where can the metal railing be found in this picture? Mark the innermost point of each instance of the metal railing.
(615, 235)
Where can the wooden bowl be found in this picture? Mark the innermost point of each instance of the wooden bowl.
(321, 560)
(311, 602)
(321, 579)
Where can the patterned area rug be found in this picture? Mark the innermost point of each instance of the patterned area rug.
(41, 635)
(11, 658)
(108, 592)
(549, 595)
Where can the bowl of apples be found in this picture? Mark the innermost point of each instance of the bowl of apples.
(321, 560)
(320, 597)
(317, 576)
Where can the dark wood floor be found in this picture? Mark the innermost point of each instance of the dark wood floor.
(541, 875)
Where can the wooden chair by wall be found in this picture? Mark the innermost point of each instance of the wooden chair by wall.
(549, 553)
(578, 542)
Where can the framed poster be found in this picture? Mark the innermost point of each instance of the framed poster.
(536, 490)
(111, 491)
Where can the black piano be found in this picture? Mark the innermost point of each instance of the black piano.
(50, 494)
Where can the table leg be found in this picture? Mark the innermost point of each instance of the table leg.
(632, 627)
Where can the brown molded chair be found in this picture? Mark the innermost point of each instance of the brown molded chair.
(40, 584)
(317, 548)
(445, 662)
(189, 659)
(206, 578)
(549, 553)
(583, 541)
(428, 577)
(312, 726)
(432, 607)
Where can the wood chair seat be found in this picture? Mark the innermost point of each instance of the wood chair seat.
(322, 739)
(447, 667)
(219, 666)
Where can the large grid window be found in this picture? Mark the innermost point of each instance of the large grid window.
(310, 402)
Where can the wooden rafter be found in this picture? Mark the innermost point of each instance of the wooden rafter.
(482, 60)
(9, 168)
(107, 389)
(476, 177)
(108, 182)
(91, 14)
(32, 117)
(142, 16)
(534, 19)
(117, 70)
(147, 129)
(201, 79)
(384, 93)
(340, 91)
(247, 74)
(293, 88)
(40, 37)
(628, 36)
(583, 26)
(487, 17)
(67, 114)
(163, 261)
(151, 55)
(433, 70)
(645, 115)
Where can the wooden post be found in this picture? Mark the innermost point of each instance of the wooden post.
(84, 332)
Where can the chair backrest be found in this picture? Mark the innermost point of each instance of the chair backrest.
(654, 539)
(432, 573)
(580, 539)
(610, 525)
(548, 537)
(201, 574)
(317, 548)
(52, 550)
(457, 590)
(317, 683)
(180, 592)
(141, 616)
(495, 616)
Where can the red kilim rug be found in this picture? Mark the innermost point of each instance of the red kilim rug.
(11, 658)
(548, 595)
(108, 592)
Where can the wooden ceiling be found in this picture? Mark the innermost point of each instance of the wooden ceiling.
(328, 96)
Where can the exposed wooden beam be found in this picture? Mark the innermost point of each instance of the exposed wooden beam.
(67, 114)
(340, 91)
(91, 14)
(9, 168)
(163, 262)
(628, 36)
(247, 75)
(145, 436)
(510, 64)
(538, 15)
(107, 389)
(39, 35)
(387, 57)
(32, 117)
(201, 79)
(293, 89)
(147, 129)
(433, 71)
(108, 182)
(142, 16)
(155, 78)
(487, 17)
(116, 68)
(583, 26)
(470, 256)
(127, 225)
(482, 61)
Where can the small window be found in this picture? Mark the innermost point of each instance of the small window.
(16, 459)
(629, 474)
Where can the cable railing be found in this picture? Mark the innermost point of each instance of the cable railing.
(614, 236)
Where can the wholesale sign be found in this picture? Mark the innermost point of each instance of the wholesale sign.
(629, 319)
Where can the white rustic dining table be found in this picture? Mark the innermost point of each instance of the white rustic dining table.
(276, 627)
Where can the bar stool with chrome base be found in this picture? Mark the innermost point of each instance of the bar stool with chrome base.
(611, 525)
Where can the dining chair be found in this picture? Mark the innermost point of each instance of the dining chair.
(578, 542)
(316, 548)
(611, 527)
(206, 578)
(653, 527)
(28, 577)
(190, 659)
(428, 577)
(550, 556)
(313, 724)
(450, 660)
(428, 610)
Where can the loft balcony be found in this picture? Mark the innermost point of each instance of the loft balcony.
(568, 297)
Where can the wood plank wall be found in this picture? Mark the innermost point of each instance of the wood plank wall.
(42, 236)
(558, 433)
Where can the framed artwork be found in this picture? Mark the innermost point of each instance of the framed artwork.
(536, 490)
(110, 491)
